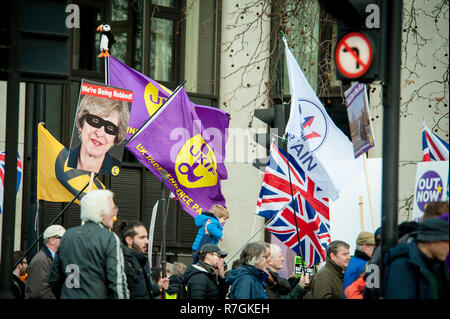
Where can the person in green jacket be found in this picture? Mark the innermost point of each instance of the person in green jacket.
(328, 282)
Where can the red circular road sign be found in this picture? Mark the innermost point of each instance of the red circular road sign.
(354, 55)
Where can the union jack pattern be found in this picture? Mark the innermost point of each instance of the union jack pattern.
(276, 190)
(313, 230)
(434, 148)
(2, 175)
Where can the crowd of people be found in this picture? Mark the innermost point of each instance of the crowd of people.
(91, 261)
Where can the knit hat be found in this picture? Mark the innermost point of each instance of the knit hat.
(365, 238)
(433, 229)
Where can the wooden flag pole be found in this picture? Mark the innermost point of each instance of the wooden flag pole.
(361, 211)
(369, 191)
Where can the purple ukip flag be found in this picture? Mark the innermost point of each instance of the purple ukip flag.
(149, 96)
(174, 140)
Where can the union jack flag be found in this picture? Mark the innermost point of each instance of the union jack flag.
(434, 148)
(2, 175)
(313, 230)
(276, 187)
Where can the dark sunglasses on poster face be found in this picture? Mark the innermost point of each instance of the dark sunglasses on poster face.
(98, 122)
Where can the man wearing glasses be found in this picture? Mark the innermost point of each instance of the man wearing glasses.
(18, 287)
(206, 278)
(36, 285)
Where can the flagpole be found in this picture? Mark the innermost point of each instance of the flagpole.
(283, 37)
(51, 223)
(361, 212)
(369, 191)
(163, 244)
(292, 196)
(253, 236)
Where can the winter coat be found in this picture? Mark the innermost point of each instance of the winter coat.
(247, 282)
(355, 289)
(89, 265)
(139, 279)
(214, 228)
(280, 288)
(36, 285)
(374, 292)
(355, 268)
(177, 289)
(203, 283)
(407, 275)
(328, 282)
(17, 287)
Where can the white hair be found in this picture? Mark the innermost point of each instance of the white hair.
(94, 204)
(274, 250)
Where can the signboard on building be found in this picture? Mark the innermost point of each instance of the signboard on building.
(431, 185)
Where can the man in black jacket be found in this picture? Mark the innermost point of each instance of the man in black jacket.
(206, 279)
(135, 244)
(89, 261)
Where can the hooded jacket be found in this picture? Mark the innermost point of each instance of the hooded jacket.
(203, 283)
(407, 275)
(214, 228)
(89, 265)
(247, 282)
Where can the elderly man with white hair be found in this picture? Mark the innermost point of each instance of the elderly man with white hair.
(278, 287)
(89, 262)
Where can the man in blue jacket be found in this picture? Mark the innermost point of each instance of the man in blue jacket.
(365, 244)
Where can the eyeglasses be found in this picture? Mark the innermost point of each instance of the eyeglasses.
(98, 122)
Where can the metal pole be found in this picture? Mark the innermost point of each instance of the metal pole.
(53, 221)
(33, 208)
(12, 124)
(391, 110)
(163, 244)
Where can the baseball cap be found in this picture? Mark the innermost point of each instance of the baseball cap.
(54, 230)
(365, 238)
(433, 229)
(211, 248)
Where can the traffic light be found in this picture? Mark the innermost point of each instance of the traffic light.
(276, 118)
(360, 49)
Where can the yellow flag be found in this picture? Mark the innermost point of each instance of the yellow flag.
(55, 181)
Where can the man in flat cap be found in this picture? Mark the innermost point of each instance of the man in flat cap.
(416, 270)
(36, 285)
(365, 244)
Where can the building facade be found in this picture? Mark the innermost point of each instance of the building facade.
(230, 54)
